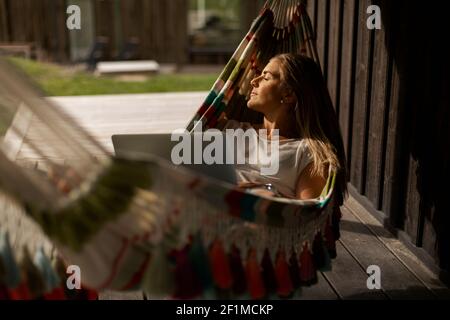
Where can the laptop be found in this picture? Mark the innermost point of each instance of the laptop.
(160, 145)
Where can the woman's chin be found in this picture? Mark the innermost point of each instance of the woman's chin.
(251, 105)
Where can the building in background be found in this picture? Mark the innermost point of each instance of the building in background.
(175, 31)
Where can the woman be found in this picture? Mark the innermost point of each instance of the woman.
(292, 95)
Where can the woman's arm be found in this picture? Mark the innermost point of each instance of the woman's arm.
(309, 185)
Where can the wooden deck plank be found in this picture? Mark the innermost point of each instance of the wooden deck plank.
(119, 295)
(320, 291)
(397, 281)
(403, 254)
(349, 279)
(363, 241)
(103, 116)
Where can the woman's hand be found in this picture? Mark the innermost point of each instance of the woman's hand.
(257, 188)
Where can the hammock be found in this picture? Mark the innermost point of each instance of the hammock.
(143, 223)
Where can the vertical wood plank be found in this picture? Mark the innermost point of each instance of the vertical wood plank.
(249, 11)
(381, 81)
(396, 154)
(4, 21)
(104, 24)
(412, 200)
(362, 100)
(311, 8)
(15, 20)
(334, 51)
(436, 234)
(422, 109)
(149, 40)
(182, 38)
(62, 35)
(347, 80)
(392, 203)
(322, 34)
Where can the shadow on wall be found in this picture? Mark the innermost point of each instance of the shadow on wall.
(416, 37)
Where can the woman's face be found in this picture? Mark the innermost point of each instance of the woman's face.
(266, 94)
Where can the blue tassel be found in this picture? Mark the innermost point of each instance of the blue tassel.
(158, 280)
(200, 263)
(12, 278)
(44, 265)
(326, 260)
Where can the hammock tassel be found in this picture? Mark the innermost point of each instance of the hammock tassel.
(308, 275)
(220, 266)
(294, 271)
(188, 285)
(199, 261)
(238, 272)
(255, 281)
(158, 279)
(268, 273)
(318, 252)
(330, 240)
(282, 272)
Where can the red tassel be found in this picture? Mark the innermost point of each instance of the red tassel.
(285, 287)
(238, 272)
(268, 273)
(308, 273)
(336, 219)
(233, 199)
(220, 266)
(330, 242)
(3, 292)
(294, 270)
(55, 294)
(81, 294)
(254, 278)
(187, 283)
(91, 294)
(21, 292)
(318, 253)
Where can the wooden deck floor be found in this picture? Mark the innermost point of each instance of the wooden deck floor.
(363, 242)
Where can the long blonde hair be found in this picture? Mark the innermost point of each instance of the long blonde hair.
(315, 117)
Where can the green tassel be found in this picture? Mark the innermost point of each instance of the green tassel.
(327, 260)
(158, 281)
(200, 263)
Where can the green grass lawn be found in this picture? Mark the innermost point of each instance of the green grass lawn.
(58, 81)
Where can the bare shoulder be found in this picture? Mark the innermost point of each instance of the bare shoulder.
(309, 184)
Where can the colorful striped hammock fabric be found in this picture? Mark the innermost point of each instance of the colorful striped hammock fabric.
(147, 224)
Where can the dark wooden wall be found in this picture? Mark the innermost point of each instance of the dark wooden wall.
(41, 22)
(390, 90)
(159, 25)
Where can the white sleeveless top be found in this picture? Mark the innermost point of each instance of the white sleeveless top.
(294, 156)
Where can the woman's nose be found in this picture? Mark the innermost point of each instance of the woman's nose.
(255, 81)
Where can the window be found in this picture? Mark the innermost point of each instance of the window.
(214, 28)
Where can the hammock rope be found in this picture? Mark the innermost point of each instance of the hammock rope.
(144, 223)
